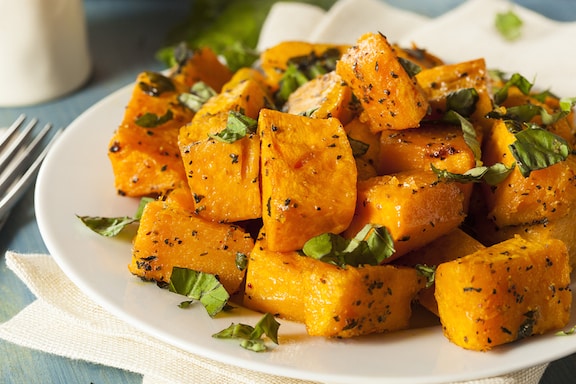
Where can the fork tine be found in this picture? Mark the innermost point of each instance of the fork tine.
(18, 163)
(13, 144)
(10, 131)
(16, 190)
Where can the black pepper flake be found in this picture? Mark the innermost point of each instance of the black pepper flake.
(234, 158)
(115, 147)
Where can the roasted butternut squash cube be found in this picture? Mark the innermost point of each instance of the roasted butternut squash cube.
(444, 80)
(224, 176)
(169, 236)
(390, 96)
(275, 60)
(347, 302)
(331, 301)
(506, 292)
(275, 282)
(322, 97)
(144, 150)
(360, 135)
(441, 145)
(308, 176)
(545, 195)
(203, 65)
(451, 246)
(414, 206)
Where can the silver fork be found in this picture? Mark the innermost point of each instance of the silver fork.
(22, 150)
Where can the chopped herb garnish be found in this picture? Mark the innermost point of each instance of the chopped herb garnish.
(469, 133)
(199, 94)
(112, 226)
(359, 148)
(200, 286)
(238, 126)
(409, 66)
(151, 120)
(538, 148)
(241, 261)
(251, 337)
(158, 84)
(491, 175)
(371, 246)
(509, 25)
(516, 80)
(463, 101)
(429, 272)
(568, 332)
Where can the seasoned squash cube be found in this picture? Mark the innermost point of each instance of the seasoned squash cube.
(169, 236)
(442, 81)
(331, 301)
(308, 176)
(451, 246)
(545, 195)
(224, 176)
(203, 65)
(347, 302)
(322, 97)
(506, 292)
(362, 137)
(275, 60)
(441, 145)
(414, 206)
(275, 282)
(144, 150)
(389, 94)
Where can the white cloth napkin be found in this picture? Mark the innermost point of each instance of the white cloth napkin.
(64, 321)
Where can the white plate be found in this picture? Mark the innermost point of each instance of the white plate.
(76, 178)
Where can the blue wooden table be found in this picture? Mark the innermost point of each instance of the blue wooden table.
(123, 37)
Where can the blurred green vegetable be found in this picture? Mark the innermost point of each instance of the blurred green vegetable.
(230, 27)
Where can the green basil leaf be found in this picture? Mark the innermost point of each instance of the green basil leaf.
(158, 84)
(200, 286)
(409, 66)
(491, 175)
(112, 226)
(359, 148)
(509, 25)
(291, 80)
(251, 337)
(469, 134)
(429, 272)
(538, 148)
(516, 80)
(463, 101)
(372, 245)
(199, 94)
(151, 120)
(238, 126)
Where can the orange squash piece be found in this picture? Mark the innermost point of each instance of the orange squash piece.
(308, 176)
(203, 65)
(441, 145)
(414, 206)
(322, 97)
(331, 301)
(224, 176)
(545, 195)
(275, 60)
(390, 96)
(440, 81)
(275, 282)
(509, 291)
(451, 246)
(170, 236)
(146, 160)
(348, 302)
(367, 163)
